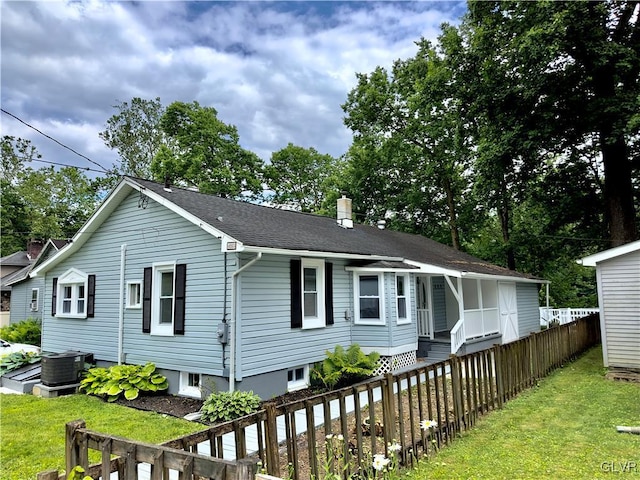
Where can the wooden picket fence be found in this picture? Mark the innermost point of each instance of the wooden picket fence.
(293, 439)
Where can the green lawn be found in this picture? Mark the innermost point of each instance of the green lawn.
(562, 429)
(32, 429)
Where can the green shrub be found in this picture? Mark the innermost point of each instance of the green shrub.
(127, 380)
(15, 360)
(28, 331)
(342, 368)
(225, 406)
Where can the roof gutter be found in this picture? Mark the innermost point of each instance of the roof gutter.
(233, 328)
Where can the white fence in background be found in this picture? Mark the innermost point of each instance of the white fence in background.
(561, 316)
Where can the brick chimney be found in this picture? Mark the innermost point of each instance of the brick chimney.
(34, 247)
(344, 212)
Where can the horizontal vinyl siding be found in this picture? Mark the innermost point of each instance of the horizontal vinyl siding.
(267, 342)
(528, 308)
(377, 336)
(21, 300)
(153, 235)
(620, 289)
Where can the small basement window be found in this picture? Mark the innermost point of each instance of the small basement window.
(190, 384)
(297, 378)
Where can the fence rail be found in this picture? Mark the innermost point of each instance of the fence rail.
(371, 415)
(561, 316)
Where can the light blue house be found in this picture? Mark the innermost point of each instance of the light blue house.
(26, 292)
(232, 295)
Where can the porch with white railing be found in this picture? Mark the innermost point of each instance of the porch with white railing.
(561, 316)
(476, 323)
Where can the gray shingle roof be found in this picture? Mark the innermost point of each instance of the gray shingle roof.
(261, 226)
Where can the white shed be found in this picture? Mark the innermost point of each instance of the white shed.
(618, 277)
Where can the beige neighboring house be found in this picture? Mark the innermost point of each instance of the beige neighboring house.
(618, 277)
(11, 267)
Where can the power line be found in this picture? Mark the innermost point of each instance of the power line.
(54, 140)
(89, 169)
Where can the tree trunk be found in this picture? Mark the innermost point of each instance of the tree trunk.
(618, 191)
(503, 213)
(453, 220)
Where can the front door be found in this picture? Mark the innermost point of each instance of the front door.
(425, 323)
(508, 311)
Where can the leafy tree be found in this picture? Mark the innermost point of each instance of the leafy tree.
(208, 154)
(41, 203)
(411, 140)
(551, 76)
(135, 133)
(301, 177)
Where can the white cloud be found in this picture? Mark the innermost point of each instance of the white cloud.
(279, 71)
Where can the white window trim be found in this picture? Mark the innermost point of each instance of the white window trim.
(356, 289)
(189, 390)
(157, 328)
(129, 304)
(35, 304)
(406, 296)
(72, 278)
(318, 321)
(294, 385)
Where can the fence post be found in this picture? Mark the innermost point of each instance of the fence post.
(273, 462)
(72, 445)
(456, 386)
(388, 410)
(246, 470)
(497, 355)
(48, 475)
(533, 352)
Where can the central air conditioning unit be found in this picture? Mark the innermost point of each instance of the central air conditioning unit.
(62, 368)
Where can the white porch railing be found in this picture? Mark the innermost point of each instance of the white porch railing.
(563, 315)
(424, 325)
(458, 336)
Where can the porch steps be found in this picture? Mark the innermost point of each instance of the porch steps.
(434, 351)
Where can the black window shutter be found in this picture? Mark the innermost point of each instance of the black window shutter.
(296, 293)
(91, 296)
(54, 297)
(146, 300)
(328, 292)
(179, 296)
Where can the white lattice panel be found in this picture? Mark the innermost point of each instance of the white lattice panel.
(395, 362)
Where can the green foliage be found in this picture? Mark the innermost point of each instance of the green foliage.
(225, 406)
(76, 474)
(28, 331)
(127, 380)
(342, 368)
(13, 361)
(301, 177)
(207, 153)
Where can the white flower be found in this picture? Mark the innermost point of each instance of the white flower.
(380, 462)
(329, 437)
(427, 424)
(340, 437)
(395, 447)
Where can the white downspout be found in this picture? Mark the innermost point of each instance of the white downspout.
(547, 305)
(232, 327)
(123, 259)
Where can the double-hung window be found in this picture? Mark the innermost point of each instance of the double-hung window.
(35, 298)
(402, 299)
(311, 293)
(369, 309)
(73, 294)
(163, 302)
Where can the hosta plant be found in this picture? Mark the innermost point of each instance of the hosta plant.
(225, 406)
(28, 331)
(123, 380)
(15, 360)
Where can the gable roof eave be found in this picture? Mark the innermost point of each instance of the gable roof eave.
(592, 260)
(115, 198)
(318, 253)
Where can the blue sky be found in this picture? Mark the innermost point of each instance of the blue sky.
(278, 71)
